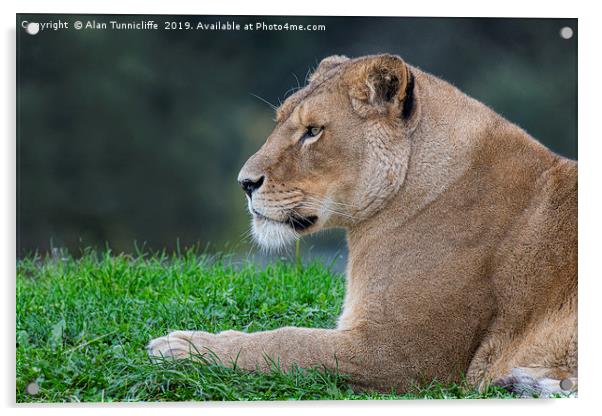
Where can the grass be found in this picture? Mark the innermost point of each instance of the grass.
(83, 324)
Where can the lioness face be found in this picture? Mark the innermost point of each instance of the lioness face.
(329, 162)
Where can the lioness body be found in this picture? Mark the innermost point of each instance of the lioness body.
(462, 234)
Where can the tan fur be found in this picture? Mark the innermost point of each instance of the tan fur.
(462, 235)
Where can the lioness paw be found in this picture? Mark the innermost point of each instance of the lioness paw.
(181, 344)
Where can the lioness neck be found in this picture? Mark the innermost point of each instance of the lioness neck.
(465, 160)
(455, 136)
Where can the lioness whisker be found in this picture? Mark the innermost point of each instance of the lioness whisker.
(325, 203)
(246, 235)
(325, 208)
(272, 106)
(329, 200)
(292, 90)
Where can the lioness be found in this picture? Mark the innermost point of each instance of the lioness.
(462, 235)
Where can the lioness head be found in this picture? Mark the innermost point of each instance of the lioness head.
(338, 152)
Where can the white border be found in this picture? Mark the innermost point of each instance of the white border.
(508, 8)
(589, 188)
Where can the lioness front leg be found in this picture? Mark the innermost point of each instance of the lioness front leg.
(286, 346)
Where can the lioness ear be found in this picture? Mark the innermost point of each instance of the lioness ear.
(378, 85)
(326, 65)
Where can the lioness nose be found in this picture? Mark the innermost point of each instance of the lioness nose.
(250, 185)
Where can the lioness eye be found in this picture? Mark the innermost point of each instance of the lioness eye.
(312, 131)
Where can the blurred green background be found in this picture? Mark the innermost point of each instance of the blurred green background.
(129, 138)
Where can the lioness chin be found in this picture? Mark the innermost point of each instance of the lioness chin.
(462, 235)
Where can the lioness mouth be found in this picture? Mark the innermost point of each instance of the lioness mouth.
(302, 223)
(296, 222)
